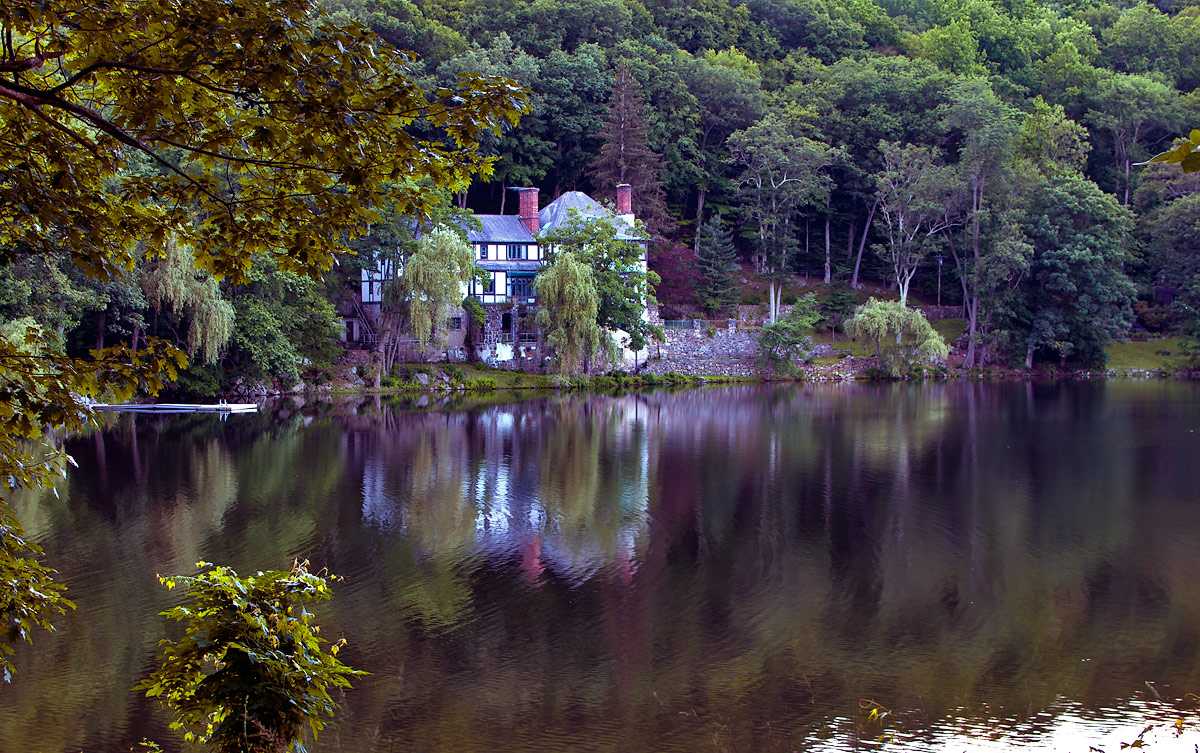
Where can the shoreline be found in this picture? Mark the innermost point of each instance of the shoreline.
(441, 378)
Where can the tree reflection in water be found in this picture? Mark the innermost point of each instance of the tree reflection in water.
(729, 569)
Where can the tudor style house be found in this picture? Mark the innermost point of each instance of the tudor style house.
(508, 248)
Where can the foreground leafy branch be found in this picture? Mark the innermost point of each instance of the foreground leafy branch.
(251, 672)
(29, 597)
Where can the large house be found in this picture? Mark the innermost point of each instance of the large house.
(509, 248)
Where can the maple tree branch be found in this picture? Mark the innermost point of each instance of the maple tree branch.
(28, 64)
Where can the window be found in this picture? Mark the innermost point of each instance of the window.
(483, 248)
(490, 285)
(520, 287)
(454, 323)
(516, 250)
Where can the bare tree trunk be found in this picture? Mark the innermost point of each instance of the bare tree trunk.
(862, 243)
(100, 329)
(699, 217)
(828, 258)
(503, 196)
(972, 301)
(806, 247)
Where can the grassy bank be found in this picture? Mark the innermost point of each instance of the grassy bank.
(478, 377)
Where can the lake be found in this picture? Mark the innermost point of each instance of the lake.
(736, 569)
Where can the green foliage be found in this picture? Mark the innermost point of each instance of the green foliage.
(623, 284)
(474, 311)
(785, 341)
(568, 311)
(717, 290)
(48, 290)
(626, 157)
(240, 124)
(835, 308)
(1186, 154)
(432, 281)
(915, 191)
(29, 597)
(781, 170)
(1060, 292)
(41, 389)
(1052, 141)
(902, 337)
(251, 672)
(172, 279)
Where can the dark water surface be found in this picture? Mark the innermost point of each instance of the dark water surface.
(734, 569)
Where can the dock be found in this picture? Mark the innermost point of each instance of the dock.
(221, 407)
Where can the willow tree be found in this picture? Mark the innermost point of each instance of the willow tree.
(432, 282)
(902, 337)
(173, 281)
(243, 129)
(567, 315)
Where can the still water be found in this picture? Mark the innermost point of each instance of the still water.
(744, 569)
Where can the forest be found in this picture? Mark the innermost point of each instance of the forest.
(991, 151)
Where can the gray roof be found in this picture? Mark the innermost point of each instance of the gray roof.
(510, 265)
(500, 228)
(558, 212)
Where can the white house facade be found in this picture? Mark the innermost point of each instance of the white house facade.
(509, 248)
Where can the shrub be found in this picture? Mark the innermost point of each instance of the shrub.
(250, 673)
(786, 341)
(481, 383)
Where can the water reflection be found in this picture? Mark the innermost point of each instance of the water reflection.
(731, 569)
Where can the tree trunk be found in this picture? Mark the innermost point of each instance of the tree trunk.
(806, 247)
(503, 196)
(699, 217)
(862, 243)
(828, 258)
(100, 328)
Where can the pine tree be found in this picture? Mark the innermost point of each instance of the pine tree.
(717, 290)
(626, 157)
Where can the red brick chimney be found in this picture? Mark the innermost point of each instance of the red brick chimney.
(624, 198)
(529, 209)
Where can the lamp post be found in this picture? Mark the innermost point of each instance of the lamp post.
(939, 303)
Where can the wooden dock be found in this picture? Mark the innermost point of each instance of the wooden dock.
(221, 407)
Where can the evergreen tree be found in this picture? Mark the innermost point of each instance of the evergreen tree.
(626, 157)
(717, 290)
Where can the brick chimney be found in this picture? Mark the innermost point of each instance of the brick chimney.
(528, 213)
(624, 199)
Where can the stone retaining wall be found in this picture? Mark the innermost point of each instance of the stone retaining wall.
(726, 352)
(742, 367)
